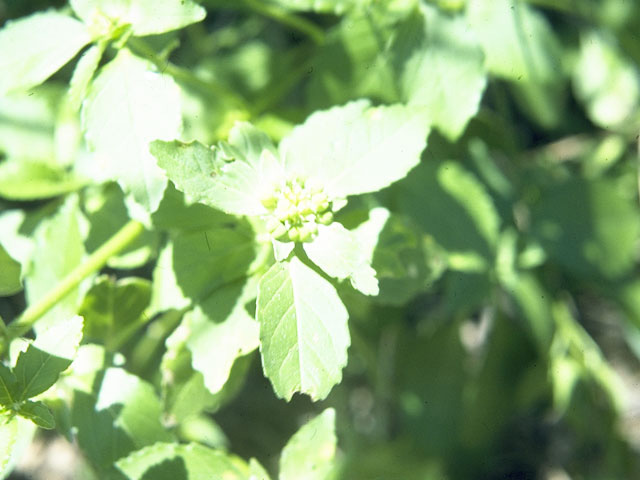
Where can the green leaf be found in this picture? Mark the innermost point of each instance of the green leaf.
(110, 306)
(82, 75)
(588, 227)
(34, 180)
(35, 47)
(309, 454)
(443, 71)
(220, 330)
(125, 415)
(58, 250)
(204, 260)
(465, 220)
(129, 105)
(174, 461)
(38, 413)
(336, 7)
(8, 386)
(8, 437)
(257, 471)
(39, 367)
(146, 17)
(9, 274)
(348, 149)
(106, 212)
(339, 253)
(605, 81)
(230, 176)
(303, 330)
(518, 42)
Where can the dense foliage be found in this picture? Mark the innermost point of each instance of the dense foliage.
(321, 239)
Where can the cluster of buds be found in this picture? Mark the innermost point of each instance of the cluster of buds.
(295, 208)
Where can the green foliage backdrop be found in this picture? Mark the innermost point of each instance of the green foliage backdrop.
(321, 239)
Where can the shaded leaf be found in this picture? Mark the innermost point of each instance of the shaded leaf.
(34, 180)
(10, 272)
(38, 413)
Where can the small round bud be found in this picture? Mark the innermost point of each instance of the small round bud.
(307, 231)
(294, 234)
(269, 201)
(326, 218)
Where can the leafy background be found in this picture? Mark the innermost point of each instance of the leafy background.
(505, 340)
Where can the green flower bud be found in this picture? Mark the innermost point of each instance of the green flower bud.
(326, 218)
(269, 201)
(307, 231)
(294, 234)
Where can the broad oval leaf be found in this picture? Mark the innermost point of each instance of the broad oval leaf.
(35, 47)
(355, 148)
(191, 461)
(303, 330)
(146, 17)
(230, 176)
(341, 255)
(129, 105)
(309, 454)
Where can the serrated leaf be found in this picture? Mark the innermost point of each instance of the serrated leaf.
(8, 386)
(35, 47)
(303, 330)
(38, 413)
(309, 454)
(40, 365)
(146, 17)
(193, 461)
(230, 176)
(61, 234)
(339, 253)
(129, 105)
(35, 180)
(10, 272)
(443, 69)
(348, 148)
(523, 47)
(221, 330)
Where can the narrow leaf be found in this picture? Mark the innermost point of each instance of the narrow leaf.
(35, 47)
(309, 454)
(303, 330)
(38, 413)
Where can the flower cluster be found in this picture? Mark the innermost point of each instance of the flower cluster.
(295, 208)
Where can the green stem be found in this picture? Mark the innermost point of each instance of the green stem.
(95, 262)
(281, 15)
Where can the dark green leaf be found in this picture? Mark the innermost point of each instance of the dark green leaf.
(38, 413)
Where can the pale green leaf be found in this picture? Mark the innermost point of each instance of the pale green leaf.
(257, 471)
(129, 105)
(9, 274)
(337, 7)
(355, 148)
(517, 41)
(8, 436)
(309, 454)
(341, 255)
(40, 365)
(221, 330)
(605, 81)
(444, 70)
(34, 180)
(58, 250)
(165, 291)
(38, 413)
(35, 47)
(303, 330)
(83, 73)
(192, 461)
(231, 176)
(124, 416)
(146, 17)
